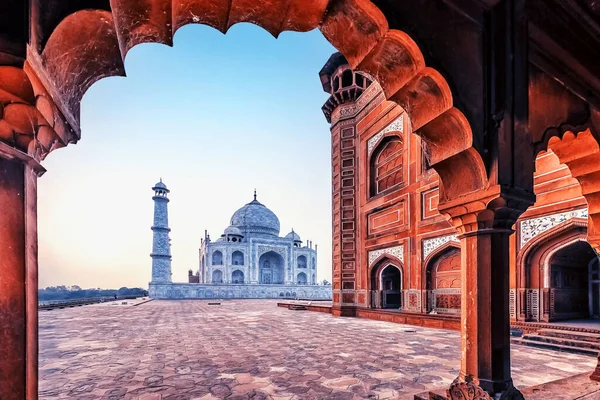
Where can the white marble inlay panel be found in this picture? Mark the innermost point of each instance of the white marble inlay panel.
(530, 228)
(396, 251)
(396, 125)
(430, 245)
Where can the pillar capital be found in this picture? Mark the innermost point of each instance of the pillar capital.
(495, 208)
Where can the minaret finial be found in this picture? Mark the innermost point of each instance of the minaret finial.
(161, 179)
(254, 194)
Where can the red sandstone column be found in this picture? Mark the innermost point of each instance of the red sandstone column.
(18, 279)
(485, 336)
(484, 223)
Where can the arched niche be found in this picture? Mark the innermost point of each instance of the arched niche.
(301, 261)
(301, 279)
(217, 276)
(237, 276)
(237, 258)
(386, 165)
(217, 258)
(442, 279)
(271, 268)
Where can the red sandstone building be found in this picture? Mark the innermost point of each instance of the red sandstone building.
(400, 253)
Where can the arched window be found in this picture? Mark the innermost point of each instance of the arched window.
(237, 258)
(217, 276)
(302, 262)
(314, 263)
(217, 258)
(386, 165)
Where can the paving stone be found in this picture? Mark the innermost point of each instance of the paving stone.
(252, 349)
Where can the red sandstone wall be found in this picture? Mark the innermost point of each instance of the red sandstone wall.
(408, 215)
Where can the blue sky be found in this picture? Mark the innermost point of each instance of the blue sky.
(215, 116)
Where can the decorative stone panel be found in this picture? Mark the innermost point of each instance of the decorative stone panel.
(396, 251)
(530, 228)
(430, 245)
(393, 217)
(429, 203)
(446, 300)
(412, 300)
(512, 303)
(396, 125)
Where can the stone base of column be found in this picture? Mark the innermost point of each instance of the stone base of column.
(595, 376)
(468, 390)
(343, 311)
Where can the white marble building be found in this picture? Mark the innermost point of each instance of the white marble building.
(249, 260)
(250, 251)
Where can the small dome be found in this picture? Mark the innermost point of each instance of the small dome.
(294, 236)
(160, 186)
(232, 230)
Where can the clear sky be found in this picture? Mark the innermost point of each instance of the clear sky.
(215, 116)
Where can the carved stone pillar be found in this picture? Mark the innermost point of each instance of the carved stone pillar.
(18, 274)
(484, 224)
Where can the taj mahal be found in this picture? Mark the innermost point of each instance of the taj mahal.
(249, 260)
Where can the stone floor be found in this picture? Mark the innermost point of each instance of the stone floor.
(253, 349)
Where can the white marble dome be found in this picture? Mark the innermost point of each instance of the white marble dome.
(255, 218)
(232, 230)
(293, 236)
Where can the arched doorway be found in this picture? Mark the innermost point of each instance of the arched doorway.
(271, 268)
(301, 279)
(237, 276)
(443, 281)
(386, 284)
(568, 289)
(559, 275)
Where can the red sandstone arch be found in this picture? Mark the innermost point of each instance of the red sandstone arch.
(567, 231)
(380, 263)
(90, 44)
(580, 152)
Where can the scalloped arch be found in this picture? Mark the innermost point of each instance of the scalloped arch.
(89, 45)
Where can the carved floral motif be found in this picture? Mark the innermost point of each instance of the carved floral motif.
(530, 228)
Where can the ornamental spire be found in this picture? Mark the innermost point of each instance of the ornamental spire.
(255, 194)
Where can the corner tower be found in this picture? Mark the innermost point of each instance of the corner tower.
(161, 248)
(352, 96)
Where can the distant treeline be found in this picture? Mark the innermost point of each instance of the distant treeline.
(76, 292)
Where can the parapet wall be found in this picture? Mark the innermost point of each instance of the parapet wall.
(233, 291)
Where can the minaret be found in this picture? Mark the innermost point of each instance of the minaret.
(161, 247)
